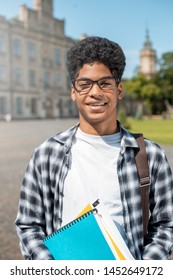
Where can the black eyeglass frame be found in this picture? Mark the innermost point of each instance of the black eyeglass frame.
(93, 82)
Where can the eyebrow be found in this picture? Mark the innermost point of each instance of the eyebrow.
(104, 77)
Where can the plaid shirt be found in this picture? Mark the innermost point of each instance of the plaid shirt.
(41, 198)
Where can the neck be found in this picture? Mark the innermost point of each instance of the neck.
(99, 129)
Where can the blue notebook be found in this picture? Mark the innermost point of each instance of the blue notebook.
(82, 239)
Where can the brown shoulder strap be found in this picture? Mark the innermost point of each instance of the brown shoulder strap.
(143, 171)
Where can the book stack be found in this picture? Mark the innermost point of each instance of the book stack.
(91, 236)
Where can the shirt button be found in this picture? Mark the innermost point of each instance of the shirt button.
(60, 220)
(61, 194)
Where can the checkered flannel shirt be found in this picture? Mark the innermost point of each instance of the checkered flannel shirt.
(41, 197)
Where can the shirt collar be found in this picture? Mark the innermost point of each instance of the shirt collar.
(127, 137)
(66, 137)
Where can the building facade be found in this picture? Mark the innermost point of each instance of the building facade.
(34, 82)
(148, 58)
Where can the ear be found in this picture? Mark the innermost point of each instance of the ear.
(120, 91)
(73, 94)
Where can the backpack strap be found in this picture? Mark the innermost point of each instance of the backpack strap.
(143, 171)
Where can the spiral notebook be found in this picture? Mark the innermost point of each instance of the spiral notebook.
(87, 238)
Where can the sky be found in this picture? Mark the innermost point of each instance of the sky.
(123, 21)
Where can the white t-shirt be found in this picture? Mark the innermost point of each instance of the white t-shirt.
(93, 175)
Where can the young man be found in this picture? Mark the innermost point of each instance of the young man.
(95, 160)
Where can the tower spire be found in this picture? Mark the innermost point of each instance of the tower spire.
(147, 57)
(147, 43)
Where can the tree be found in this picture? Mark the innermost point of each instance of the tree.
(151, 95)
(133, 88)
(156, 91)
(166, 62)
(164, 77)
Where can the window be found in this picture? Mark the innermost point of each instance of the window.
(19, 105)
(31, 51)
(46, 79)
(16, 47)
(17, 76)
(2, 44)
(68, 83)
(32, 78)
(3, 105)
(65, 56)
(2, 73)
(57, 56)
(58, 80)
(33, 106)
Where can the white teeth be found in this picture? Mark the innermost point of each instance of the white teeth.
(97, 104)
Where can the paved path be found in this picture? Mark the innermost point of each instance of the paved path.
(17, 141)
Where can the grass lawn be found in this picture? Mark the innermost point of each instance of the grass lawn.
(158, 130)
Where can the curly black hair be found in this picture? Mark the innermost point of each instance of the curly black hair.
(92, 49)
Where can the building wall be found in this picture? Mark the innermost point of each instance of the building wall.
(148, 62)
(34, 82)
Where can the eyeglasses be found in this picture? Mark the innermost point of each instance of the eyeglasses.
(84, 85)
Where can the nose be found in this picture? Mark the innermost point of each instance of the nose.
(96, 90)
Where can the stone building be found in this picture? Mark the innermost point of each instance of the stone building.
(34, 82)
(148, 58)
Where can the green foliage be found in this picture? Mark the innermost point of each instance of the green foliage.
(164, 77)
(166, 61)
(122, 117)
(133, 87)
(156, 90)
(150, 91)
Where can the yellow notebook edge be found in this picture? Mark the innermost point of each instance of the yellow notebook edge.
(90, 207)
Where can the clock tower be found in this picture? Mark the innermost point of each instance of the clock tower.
(148, 58)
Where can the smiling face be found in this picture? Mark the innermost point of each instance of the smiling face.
(97, 108)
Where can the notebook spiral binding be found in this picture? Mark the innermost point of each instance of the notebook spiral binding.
(93, 211)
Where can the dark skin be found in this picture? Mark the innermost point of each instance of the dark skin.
(97, 109)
